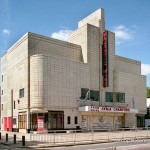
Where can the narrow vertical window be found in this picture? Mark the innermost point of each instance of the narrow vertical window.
(68, 120)
(21, 93)
(75, 120)
(14, 105)
(2, 92)
(2, 106)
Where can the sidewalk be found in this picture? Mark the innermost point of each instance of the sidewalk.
(37, 144)
(11, 139)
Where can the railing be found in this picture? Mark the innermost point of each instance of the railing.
(90, 136)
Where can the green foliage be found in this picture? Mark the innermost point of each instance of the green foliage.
(148, 92)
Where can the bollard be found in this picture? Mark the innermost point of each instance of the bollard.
(14, 138)
(0, 135)
(23, 140)
(6, 137)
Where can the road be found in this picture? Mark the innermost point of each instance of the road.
(119, 145)
(5, 147)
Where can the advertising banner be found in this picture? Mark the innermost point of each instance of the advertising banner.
(40, 123)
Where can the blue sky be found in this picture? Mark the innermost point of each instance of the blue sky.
(129, 19)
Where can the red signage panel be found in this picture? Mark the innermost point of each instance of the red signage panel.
(105, 59)
(5, 123)
(9, 120)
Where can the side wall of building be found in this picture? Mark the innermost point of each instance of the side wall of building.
(128, 79)
(14, 68)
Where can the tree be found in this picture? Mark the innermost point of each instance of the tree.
(148, 92)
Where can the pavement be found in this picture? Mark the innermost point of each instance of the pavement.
(37, 144)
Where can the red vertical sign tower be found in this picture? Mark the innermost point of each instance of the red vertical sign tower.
(105, 58)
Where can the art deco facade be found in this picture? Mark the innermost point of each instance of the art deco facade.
(51, 84)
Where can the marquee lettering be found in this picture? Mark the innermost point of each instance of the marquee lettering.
(109, 109)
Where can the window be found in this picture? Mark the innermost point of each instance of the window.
(109, 97)
(94, 95)
(75, 120)
(22, 121)
(21, 93)
(2, 92)
(84, 93)
(2, 78)
(89, 94)
(2, 106)
(115, 97)
(14, 121)
(147, 116)
(120, 97)
(68, 120)
(140, 121)
(14, 104)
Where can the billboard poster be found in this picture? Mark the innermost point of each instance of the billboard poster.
(40, 123)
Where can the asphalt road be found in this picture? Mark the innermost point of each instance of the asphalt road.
(119, 145)
(5, 147)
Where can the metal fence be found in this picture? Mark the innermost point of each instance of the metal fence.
(89, 136)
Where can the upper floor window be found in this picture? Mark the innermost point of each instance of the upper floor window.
(115, 97)
(2, 92)
(89, 94)
(14, 105)
(94, 95)
(109, 97)
(21, 93)
(84, 93)
(2, 78)
(2, 106)
(120, 97)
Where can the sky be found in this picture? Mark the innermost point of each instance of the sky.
(129, 19)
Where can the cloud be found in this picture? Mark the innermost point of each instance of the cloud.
(6, 31)
(145, 69)
(61, 35)
(123, 33)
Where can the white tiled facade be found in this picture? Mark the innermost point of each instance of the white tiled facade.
(52, 73)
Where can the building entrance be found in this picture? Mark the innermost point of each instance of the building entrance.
(55, 120)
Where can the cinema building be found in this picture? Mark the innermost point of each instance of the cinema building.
(48, 84)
